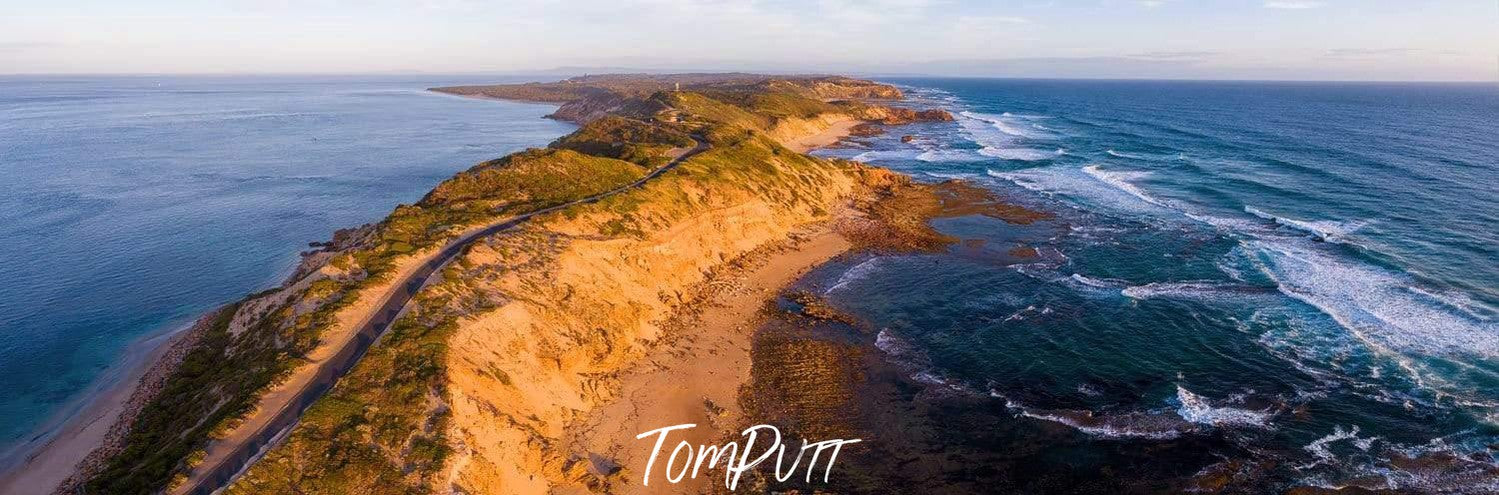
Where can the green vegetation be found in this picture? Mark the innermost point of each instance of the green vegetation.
(644, 143)
(166, 434)
(640, 86)
(216, 385)
(380, 430)
(224, 375)
(775, 105)
(529, 180)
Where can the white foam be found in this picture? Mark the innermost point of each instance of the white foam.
(857, 272)
(1079, 184)
(1020, 154)
(1319, 448)
(1374, 304)
(1124, 181)
(998, 133)
(1093, 282)
(882, 155)
(1006, 123)
(1227, 224)
(1131, 425)
(1327, 230)
(945, 175)
(948, 155)
(915, 363)
(1453, 468)
(1198, 409)
(889, 343)
(1125, 155)
(1457, 301)
(1137, 425)
(1197, 290)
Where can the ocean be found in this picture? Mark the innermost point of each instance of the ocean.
(131, 205)
(1247, 286)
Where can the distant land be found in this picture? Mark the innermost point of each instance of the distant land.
(467, 339)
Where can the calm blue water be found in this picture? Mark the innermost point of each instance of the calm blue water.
(129, 205)
(1298, 282)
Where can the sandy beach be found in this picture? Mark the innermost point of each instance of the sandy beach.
(52, 458)
(696, 378)
(835, 132)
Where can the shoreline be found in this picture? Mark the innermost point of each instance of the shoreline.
(53, 455)
(50, 456)
(53, 459)
(696, 377)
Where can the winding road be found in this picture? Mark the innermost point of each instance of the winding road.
(228, 459)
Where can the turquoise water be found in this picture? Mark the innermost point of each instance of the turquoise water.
(1293, 282)
(130, 205)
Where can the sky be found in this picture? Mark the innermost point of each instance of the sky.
(1163, 39)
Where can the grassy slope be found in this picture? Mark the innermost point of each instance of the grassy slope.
(626, 139)
(381, 431)
(222, 377)
(378, 431)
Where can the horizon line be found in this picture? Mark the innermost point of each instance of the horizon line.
(562, 72)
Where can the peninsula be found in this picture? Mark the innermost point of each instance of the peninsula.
(513, 330)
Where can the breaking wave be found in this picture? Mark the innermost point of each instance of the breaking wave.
(1127, 426)
(1377, 305)
(1122, 426)
(1124, 181)
(1081, 185)
(1198, 409)
(1021, 154)
(915, 363)
(948, 155)
(1096, 283)
(1327, 230)
(856, 273)
(1197, 289)
(1008, 124)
